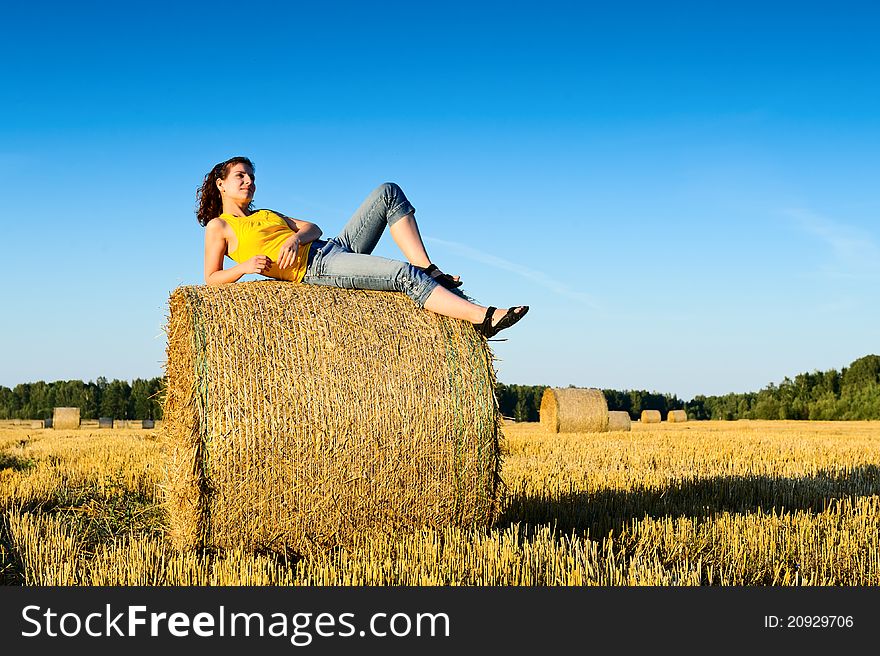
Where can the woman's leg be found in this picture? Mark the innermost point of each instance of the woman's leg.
(335, 267)
(386, 206)
(332, 265)
(405, 232)
(449, 304)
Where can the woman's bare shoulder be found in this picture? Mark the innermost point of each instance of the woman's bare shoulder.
(216, 226)
(217, 221)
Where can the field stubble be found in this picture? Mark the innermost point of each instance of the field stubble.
(718, 503)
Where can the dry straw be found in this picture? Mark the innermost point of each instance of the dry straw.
(619, 420)
(651, 417)
(300, 417)
(574, 410)
(65, 418)
(677, 416)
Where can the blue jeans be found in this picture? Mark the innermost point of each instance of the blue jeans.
(345, 260)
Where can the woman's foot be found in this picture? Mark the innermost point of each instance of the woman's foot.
(497, 320)
(449, 282)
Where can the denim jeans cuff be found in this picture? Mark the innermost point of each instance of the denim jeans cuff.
(400, 211)
(422, 287)
(420, 296)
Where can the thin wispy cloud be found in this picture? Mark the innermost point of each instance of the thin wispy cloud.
(855, 252)
(538, 277)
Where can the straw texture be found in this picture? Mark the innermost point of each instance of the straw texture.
(65, 418)
(677, 416)
(619, 420)
(574, 410)
(298, 417)
(651, 417)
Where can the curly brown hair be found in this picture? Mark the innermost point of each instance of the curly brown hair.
(209, 204)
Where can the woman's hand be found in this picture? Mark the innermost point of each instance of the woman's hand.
(289, 249)
(257, 264)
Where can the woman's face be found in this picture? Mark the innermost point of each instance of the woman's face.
(239, 185)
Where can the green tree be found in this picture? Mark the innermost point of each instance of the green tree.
(8, 404)
(140, 399)
(861, 372)
(115, 400)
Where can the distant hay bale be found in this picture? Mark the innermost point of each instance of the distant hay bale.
(65, 418)
(148, 423)
(619, 420)
(47, 423)
(677, 416)
(120, 423)
(136, 424)
(574, 410)
(38, 424)
(88, 423)
(651, 417)
(298, 417)
(105, 422)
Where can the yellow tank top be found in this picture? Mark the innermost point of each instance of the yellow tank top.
(263, 233)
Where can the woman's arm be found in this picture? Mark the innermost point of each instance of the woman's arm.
(215, 251)
(304, 232)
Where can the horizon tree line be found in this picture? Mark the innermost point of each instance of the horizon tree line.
(850, 394)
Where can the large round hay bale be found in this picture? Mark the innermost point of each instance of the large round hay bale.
(65, 418)
(651, 417)
(677, 416)
(297, 417)
(574, 410)
(619, 420)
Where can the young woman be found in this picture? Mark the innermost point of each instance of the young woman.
(277, 246)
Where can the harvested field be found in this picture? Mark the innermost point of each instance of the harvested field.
(699, 503)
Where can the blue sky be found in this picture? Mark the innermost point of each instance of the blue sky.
(684, 193)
